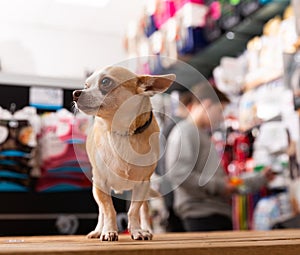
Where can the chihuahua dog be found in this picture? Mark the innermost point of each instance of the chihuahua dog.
(123, 144)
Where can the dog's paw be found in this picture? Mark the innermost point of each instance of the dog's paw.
(140, 234)
(109, 236)
(94, 234)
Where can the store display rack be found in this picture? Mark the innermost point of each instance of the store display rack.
(40, 213)
(232, 43)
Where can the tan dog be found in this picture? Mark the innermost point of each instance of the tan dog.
(123, 145)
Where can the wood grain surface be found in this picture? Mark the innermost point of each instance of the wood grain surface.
(276, 242)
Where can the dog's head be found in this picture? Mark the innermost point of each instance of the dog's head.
(107, 90)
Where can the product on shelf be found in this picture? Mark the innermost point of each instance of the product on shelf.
(18, 149)
(64, 161)
(229, 75)
(264, 97)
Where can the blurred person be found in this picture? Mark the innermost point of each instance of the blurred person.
(183, 101)
(202, 190)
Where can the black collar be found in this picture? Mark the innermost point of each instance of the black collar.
(141, 129)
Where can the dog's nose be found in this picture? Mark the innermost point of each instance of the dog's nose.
(76, 95)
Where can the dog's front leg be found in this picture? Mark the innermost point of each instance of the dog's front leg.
(139, 195)
(107, 223)
(96, 233)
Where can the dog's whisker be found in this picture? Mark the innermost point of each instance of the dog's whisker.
(74, 107)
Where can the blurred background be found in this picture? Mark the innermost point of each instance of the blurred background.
(248, 49)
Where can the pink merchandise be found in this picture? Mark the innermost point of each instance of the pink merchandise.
(215, 10)
(64, 162)
(164, 11)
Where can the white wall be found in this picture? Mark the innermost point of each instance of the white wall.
(50, 52)
(63, 46)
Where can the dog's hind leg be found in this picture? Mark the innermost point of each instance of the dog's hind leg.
(139, 195)
(145, 216)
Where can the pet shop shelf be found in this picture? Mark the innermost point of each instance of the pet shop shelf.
(186, 41)
(51, 213)
(37, 213)
(41, 81)
(226, 243)
(19, 93)
(265, 111)
(233, 42)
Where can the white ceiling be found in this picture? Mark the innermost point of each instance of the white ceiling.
(113, 18)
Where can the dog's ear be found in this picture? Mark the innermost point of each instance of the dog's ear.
(150, 85)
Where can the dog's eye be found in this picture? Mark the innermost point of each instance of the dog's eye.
(106, 82)
(106, 85)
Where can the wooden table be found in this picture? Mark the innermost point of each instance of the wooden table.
(277, 242)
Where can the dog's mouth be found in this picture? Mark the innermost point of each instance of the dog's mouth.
(86, 109)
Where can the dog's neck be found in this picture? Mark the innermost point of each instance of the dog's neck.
(133, 118)
(141, 129)
(140, 124)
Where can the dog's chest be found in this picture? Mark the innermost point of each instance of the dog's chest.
(125, 160)
(120, 162)
(129, 153)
